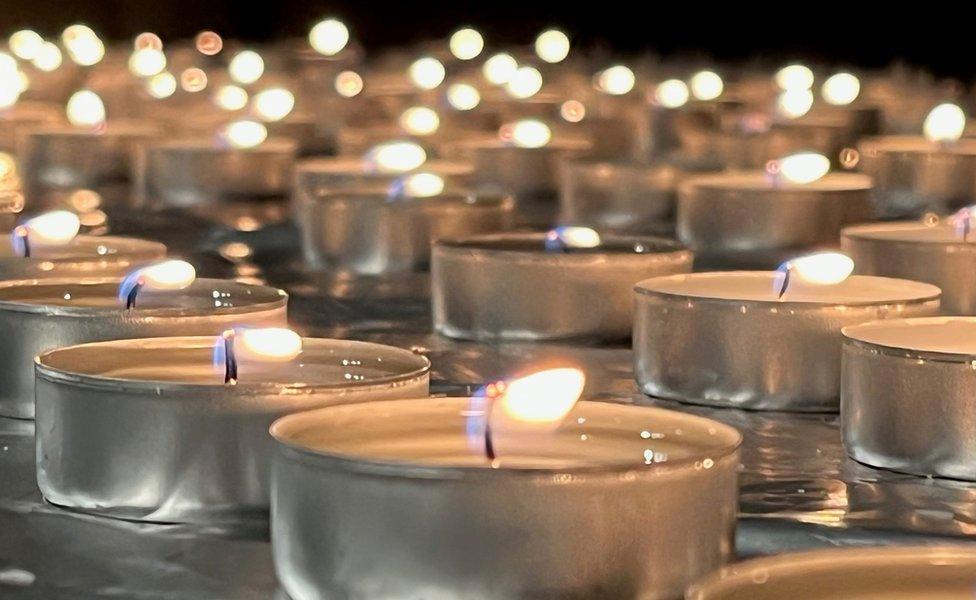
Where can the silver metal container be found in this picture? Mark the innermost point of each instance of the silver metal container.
(930, 252)
(619, 196)
(906, 395)
(177, 173)
(724, 339)
(913, 175)
(509, 286)
(41, 314)
(746, 220)
(372, 234)
(146, 429)
(390, 500)
(905, 572)
(310, 137)
(84, 256)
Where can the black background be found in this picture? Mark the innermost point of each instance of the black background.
(936, 36)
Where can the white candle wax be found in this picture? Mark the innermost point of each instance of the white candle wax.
(942, 335)
(85, 255)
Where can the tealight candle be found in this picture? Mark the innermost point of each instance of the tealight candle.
(388, 476)
(84, 255)
(758, 219)
(149, 429)
(916, 572)
(39, 314)
(941, 253)
(760, 340)
(567, 283)
(906, 395)
(372, 233)
(914, 174)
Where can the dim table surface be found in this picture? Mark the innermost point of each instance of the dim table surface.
(798, 489)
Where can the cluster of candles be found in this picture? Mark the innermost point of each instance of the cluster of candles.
(533, 184)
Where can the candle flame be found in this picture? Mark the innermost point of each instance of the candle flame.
(542, 399)
(706, 85)
(26, 44)
(963, 222)
(565, 237)
(552, 46)
(794, 103)
(418, 185)
(426, 73)
(671, 93)
(273, 104)
(527, 133)
(572, 111)
(231, 97)
(270, 344)
(245, 134)
(420, 120)
(12, 81)
(162, 85)
(348, 84)
(85, 109)
(524, 83)
(83, 45)
(616, 80)
(794, 77)
(166, 275)
(499, 68)
(462, 96)
(396, 157)
(147, 62)
(466, 43)
(246, 67)
(54, 228)
(945, 123)
(49, 57)
(822, 268)
(803, 167)
(329, 36)
(841, 89)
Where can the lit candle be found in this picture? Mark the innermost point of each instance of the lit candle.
(767, 340)
(569, 283)
(174, 429)
(563, 477)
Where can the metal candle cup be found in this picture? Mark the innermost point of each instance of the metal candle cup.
(84, 256)
(202, 171)
(933, 253)
(913, 175)
(916, 572)
(510, 286)
(906, 398)
(146, 429)
(388, 496)
(372, 234)
(40, 314)
(752, 220)
(723, 339)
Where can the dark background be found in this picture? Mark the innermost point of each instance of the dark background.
(939, 37)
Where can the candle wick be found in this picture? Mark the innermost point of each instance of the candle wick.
(230, 359)
(130, 298)
(22, 232)
(489, 444)
(785, 284)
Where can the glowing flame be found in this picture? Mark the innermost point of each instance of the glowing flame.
(573, 111)
(245, 134)
(396, 157)
(193, 80)
(794, 103)
(25, 44)
(148, 40)
(794, 77)
(166, 275)
(841, 89)
(543, 399)
(420, 120)
(271, 344)
(945, 123)
(672, 93)
(706, 85)
(616, 80)
(348, 84)
(329, 37)
(231, 97)
(209, 43)
(552, 46)
(83, 45)
(571, 237)
(527, 133)
(48, 58)
(804, 167)
(525, 83)
(55, 228)
(963, 222)
(419, 185)
(85, 109)
(147, 62)
(246, 67)
(426, 73)
(466, 44)
(162, 85)
(499, 68)
(274, 104)
(11, 82)
(462, 96)
(822, 268)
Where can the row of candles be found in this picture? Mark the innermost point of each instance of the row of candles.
(153, 389)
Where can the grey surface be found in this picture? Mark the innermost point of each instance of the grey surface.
(798, 489)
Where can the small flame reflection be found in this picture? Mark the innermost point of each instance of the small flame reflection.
(803, 167)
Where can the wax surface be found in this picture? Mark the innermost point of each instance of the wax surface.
(357, 166)
(215, 145)
(537, 243)
(89, 248)
(763, 286)
(910, 231)
(917, 143)
(760, 181)
(449, 433)
(448, 199)
(951, 335)
(210, 295)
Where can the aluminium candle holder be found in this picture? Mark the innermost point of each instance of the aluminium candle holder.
(749, 220)
(364, 233)
(917, 572)
(40, 314)
(931, 252)
(906, 398)
(724, 339)
(84, 256)
(146, 429)
(511, 287)
(387, 497)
